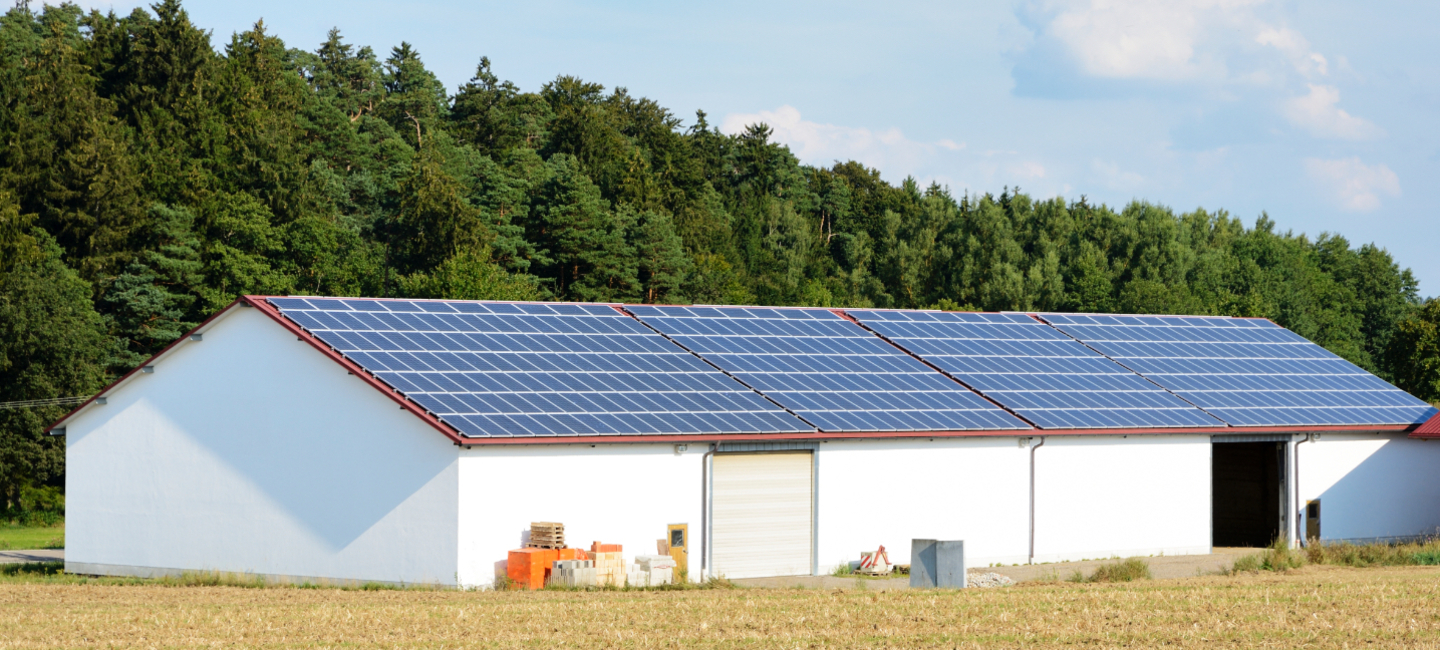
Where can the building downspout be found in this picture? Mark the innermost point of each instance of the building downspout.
(705, 511)
(1299, 512)
(1033, 447)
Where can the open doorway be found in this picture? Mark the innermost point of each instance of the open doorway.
(1246, 492)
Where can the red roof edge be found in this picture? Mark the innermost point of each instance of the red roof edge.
(873, 435)
(259, 303)
(1428, 429)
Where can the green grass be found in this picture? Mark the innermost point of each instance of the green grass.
(19, 538)
(53, 573)
(1280, 557)
(1126, 570)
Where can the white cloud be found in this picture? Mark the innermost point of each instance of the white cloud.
(1229, 49)
(1028, 170)
(1294, 46)
(1163, 40)
(1217, 41)
(821, 144)
(1317, 113)
(1114, 177)
(1355, 185)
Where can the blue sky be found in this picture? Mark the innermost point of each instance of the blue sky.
(1321, 113)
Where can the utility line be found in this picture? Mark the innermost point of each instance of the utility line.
(53, 401)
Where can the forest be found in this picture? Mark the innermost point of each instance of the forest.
(152, 172)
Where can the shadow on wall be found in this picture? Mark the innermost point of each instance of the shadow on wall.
(336, 491)
(1393, 493)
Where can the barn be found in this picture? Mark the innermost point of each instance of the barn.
(413, 441)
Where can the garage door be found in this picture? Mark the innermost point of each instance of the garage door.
(762, 514)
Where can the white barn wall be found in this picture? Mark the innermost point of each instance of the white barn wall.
(888, 492)
(251, 452)
(1104, 496)
(613, 493)
(1372, 487)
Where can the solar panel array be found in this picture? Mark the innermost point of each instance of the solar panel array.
(1248, 372)
(553, 369)
(827, 370)
(1039, 373)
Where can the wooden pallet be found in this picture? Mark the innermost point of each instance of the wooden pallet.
(546, 534)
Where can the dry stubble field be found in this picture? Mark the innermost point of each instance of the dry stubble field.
(1309, 608)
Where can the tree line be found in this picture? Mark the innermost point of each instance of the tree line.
(147, 178)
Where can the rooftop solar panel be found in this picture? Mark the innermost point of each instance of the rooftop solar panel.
(531, 369)
(1248, 372)
(826, 370)
(1035, 371)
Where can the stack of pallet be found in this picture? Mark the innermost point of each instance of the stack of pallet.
(651, 571)
(573, 573)
(609, 564)
(546, 534)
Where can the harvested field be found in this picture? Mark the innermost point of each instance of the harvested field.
(1311, 607)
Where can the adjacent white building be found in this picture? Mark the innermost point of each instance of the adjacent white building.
(252, 446)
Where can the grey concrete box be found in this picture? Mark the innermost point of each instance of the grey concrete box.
(937, 563)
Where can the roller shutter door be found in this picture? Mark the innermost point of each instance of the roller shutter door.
(762, 515)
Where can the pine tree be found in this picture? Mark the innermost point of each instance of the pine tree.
(415, 100)
(151, 302)
(434, 222)
(238, 243)
(65, 156)
(261, 98)
(581, 240)
(163, 83)
(663, 265)
(494, 116)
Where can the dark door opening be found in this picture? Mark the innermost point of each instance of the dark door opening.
(1245, 497)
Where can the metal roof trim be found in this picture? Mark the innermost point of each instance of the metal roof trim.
(887, 435)
(1428, 429)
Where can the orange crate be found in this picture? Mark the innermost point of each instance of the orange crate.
(571, 554)
(528, 567)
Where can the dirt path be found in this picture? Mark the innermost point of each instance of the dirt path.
(43, 555)
(1163, 567)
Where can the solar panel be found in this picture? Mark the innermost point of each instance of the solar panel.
(494, 369)
(1248, 372)
(1035, 371)
(826, 370)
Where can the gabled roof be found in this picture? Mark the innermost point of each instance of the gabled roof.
(504, 372)
(1429, 429)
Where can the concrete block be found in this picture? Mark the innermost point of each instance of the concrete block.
(937, 563)
(651, 562)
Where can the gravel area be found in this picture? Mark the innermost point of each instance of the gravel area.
(983, 580)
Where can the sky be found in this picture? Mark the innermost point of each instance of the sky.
(1321, 114)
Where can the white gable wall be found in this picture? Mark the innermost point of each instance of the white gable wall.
(252, 452)
(1372, 487)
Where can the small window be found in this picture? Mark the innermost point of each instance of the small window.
(677, 538)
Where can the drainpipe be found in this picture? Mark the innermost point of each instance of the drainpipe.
(1299, 531)
(1033, 447)
(705, 511)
